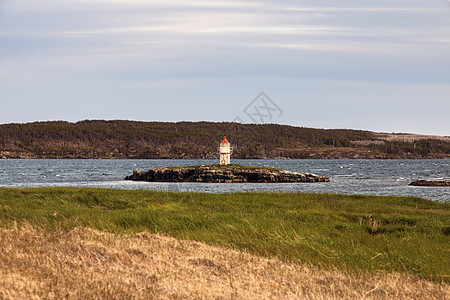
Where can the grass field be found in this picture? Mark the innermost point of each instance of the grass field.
(356, 234)
(229, 166)
(84, 263)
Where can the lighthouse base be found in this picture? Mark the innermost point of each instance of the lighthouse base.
(225, 159)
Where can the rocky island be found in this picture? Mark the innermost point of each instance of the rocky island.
(223, 174)
(422, 182)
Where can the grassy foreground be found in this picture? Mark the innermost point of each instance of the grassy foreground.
(351, 233)
(84, 263)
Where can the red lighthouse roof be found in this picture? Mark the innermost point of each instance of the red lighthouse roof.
(225, 140)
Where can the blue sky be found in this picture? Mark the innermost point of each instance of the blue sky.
(377, 65)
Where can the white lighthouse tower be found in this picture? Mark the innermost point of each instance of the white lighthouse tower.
(225, 152)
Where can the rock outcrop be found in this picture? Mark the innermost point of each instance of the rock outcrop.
(422, 182)
(227, 174)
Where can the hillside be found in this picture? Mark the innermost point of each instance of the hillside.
(131, 139)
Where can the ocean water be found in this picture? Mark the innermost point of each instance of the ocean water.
(377, 177)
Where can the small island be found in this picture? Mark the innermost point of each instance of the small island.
(224, 172)
(232, 173)
(422, 182)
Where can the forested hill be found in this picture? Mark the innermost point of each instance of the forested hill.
(130, 139)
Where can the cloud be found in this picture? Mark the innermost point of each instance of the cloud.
(95, 51)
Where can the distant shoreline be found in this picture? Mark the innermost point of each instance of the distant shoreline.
(100, 139)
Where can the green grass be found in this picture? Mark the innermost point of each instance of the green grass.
(350, 232)
(230, 166)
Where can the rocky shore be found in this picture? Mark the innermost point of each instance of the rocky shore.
(422, 182)
(225, 174)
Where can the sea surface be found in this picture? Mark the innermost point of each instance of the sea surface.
(377, 177)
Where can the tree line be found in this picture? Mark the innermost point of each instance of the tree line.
(132, 139)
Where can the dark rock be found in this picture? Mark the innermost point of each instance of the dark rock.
(422, 182)
(226, 174)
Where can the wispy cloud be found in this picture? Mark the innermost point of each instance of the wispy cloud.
(198, 50)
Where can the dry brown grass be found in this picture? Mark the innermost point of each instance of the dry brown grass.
(410, 138)
(36, 263)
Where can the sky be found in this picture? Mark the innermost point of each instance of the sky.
(380, 65)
